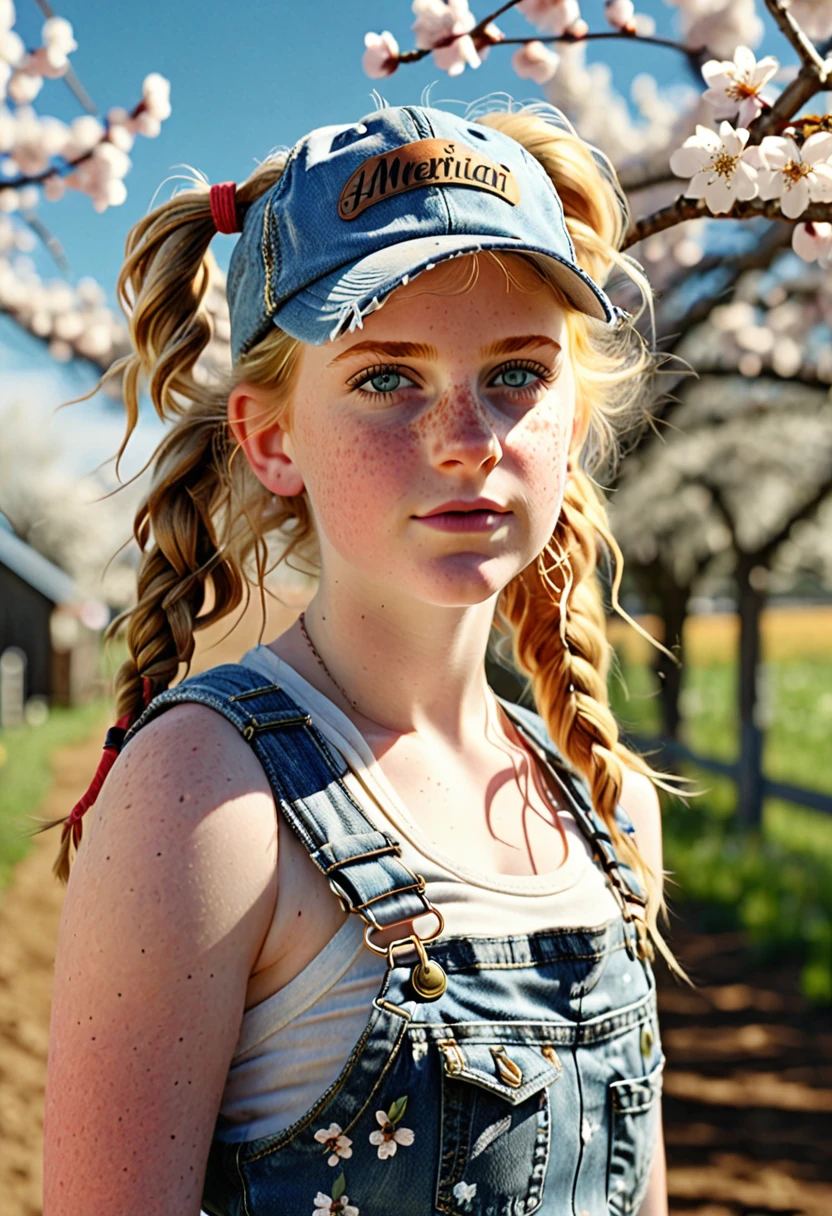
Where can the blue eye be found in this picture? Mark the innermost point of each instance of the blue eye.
(383, 382)
(514, 377)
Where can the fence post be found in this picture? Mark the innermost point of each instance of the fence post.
(12, 686)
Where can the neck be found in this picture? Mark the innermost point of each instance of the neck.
(422, 675)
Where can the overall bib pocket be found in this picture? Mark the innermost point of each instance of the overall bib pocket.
(494, 1148)
(634, 1127)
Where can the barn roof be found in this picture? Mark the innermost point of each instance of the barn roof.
(36, 570)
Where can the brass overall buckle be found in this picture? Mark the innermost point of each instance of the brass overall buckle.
(427, 977)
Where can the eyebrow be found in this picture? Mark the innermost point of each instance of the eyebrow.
(420, 350)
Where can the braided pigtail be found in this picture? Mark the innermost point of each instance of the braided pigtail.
(203, 526)
(552, 615)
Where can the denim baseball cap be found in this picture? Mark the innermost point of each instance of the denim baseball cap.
(361, 209)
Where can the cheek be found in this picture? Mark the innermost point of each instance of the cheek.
(356, 473)
(539, 446)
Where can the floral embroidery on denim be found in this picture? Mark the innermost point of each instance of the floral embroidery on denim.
(338, 1203)
(390, 1137)
(334, 1140)
(464, 1191)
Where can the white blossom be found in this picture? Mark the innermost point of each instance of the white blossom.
(24, 86)
(156, 96)
(794, 175)
(535, 61)
(714, 163)
(735, 84)
(381, 55)
(12, 47)
(389, 1137)
(338, 1144)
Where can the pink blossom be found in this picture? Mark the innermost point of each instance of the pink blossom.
(621, 15)
(381, 58)
(813, 242)
(536, 62)
(437, 22)
(734, 84)
(553, 16)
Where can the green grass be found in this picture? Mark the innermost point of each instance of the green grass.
(776, 883)
(26, 772)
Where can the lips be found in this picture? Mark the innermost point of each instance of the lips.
(458, 505)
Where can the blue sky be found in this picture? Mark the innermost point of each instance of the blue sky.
(245, 78)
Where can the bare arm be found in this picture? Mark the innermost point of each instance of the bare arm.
(641, 802)
(169, 900)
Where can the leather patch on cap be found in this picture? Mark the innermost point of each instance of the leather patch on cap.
(428, 162)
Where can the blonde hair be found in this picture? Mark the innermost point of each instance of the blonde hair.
(206, 520)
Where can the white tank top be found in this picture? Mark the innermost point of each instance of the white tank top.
(294, 1044)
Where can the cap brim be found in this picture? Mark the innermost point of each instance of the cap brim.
(337, 303)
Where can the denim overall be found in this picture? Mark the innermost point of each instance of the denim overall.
(528, 1082)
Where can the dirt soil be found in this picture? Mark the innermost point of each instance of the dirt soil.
(748, 1087)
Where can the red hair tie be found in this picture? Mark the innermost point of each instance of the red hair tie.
(224, 206)
(112, 747)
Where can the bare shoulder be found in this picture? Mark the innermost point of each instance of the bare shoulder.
(640, 800)
(169, 900)
(187, 781)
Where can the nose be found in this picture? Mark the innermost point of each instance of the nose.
(462, 432)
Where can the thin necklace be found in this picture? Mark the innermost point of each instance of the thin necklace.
(546, 790)
(322, 663)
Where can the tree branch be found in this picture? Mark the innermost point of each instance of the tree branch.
(804, 46)
(695, 208)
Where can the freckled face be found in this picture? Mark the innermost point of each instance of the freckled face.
(381, 436)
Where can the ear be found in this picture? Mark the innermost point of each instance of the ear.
(267, 446)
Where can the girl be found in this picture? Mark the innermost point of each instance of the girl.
(353, 934)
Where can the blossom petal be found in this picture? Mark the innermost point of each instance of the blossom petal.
(697, 187)
(734, 138)
(777, 151)
(706, 137)
(689, 159)
(745, 59)
(719, 73)
(795, 201)
(719, 196)
(817, 147)
(770, 183)
(820, 183)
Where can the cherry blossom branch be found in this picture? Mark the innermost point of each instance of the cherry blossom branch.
(73, 83)
(695, 55)
(806, 49)
(694, 208)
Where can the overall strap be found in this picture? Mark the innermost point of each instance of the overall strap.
(622, 879)
(363, 865)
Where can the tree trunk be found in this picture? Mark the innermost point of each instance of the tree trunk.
(750, 775)
(657, 586)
